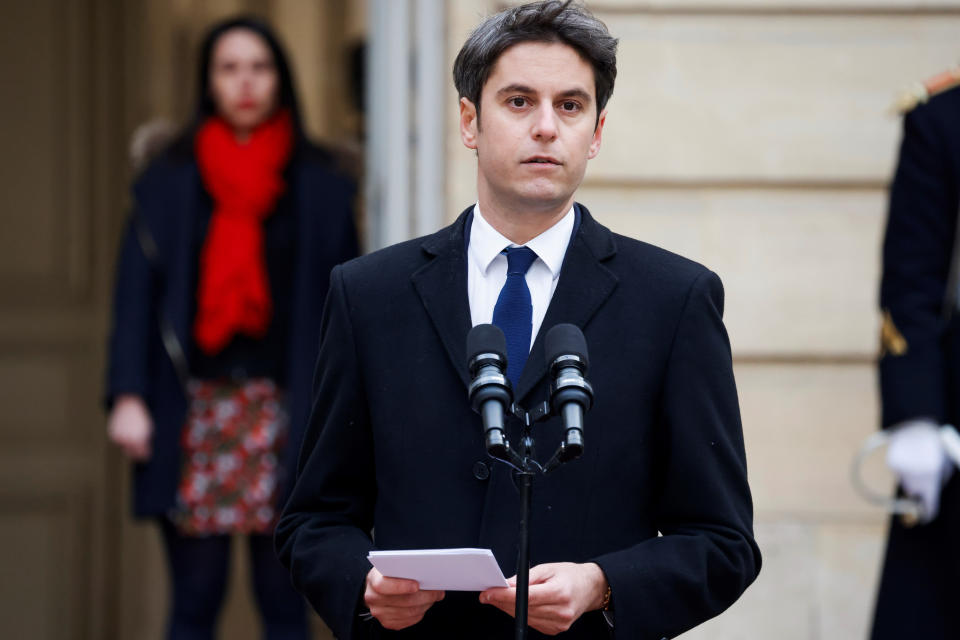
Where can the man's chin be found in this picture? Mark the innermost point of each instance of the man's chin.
(545, 200)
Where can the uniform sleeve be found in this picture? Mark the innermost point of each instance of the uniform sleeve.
(706, 556)
(323, 536)
(917, 252)
(133, 313)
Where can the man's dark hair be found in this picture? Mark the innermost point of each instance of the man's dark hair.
(549, 21)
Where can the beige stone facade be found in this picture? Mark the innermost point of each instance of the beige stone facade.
(751, 135)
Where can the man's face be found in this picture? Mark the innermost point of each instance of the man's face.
(538, 110)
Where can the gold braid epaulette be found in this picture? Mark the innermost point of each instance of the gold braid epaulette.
(921, 92)
(892, 341)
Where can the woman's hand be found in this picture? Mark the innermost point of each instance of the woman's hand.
(130, 426)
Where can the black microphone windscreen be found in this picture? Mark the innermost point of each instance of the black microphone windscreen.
(565, 339)
(486, 338)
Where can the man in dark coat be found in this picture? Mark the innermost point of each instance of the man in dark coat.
(919, 367)
(393, 457)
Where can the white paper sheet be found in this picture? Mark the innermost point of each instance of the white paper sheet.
(442, 569)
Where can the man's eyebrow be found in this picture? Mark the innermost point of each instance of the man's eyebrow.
(515, 88)
(577, 92)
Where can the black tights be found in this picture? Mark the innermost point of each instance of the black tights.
(198, 570)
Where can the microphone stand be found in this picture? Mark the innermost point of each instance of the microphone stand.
(523, 558)
(526, 471)
(489, 394)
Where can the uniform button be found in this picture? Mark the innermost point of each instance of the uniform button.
(480, 470)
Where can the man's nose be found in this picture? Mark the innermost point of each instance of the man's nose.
(545, 125)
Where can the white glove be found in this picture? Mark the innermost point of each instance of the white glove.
(917, 456)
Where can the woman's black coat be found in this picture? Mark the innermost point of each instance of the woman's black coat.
(156, 288)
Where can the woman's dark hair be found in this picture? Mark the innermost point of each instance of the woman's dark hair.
(205, 107)
(549, 21)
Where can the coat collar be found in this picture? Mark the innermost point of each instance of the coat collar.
(584, 285)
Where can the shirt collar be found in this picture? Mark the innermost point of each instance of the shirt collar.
(486, 243)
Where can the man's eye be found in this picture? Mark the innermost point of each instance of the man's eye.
(570, 105)
(518, 101)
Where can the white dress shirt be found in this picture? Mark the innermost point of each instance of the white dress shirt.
(487, 267)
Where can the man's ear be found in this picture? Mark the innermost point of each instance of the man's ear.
(469, 124)
(597, 136)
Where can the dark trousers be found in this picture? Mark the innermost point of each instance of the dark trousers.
(199, 567)
(920, 581)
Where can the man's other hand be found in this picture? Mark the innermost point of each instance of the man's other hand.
(397, 603)
(559, 594)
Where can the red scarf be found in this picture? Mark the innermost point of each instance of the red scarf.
(245, 181)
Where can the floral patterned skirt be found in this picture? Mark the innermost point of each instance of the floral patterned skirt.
(231, 444)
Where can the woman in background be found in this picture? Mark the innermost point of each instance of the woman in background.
(220, 285)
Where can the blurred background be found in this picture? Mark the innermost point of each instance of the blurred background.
(754, 136)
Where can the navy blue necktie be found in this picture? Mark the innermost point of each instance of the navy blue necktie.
(513, 312)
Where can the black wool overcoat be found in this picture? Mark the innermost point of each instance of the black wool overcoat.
(392, 451)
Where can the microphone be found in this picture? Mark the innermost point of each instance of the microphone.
(490, 393)
(571, 396)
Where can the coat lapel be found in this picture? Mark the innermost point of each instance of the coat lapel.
(442, 287)
(584, 285)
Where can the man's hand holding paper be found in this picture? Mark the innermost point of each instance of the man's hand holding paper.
(396, 602)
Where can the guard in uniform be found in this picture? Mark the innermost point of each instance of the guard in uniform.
(919, 594)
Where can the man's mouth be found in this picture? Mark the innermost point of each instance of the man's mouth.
(541, 160)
